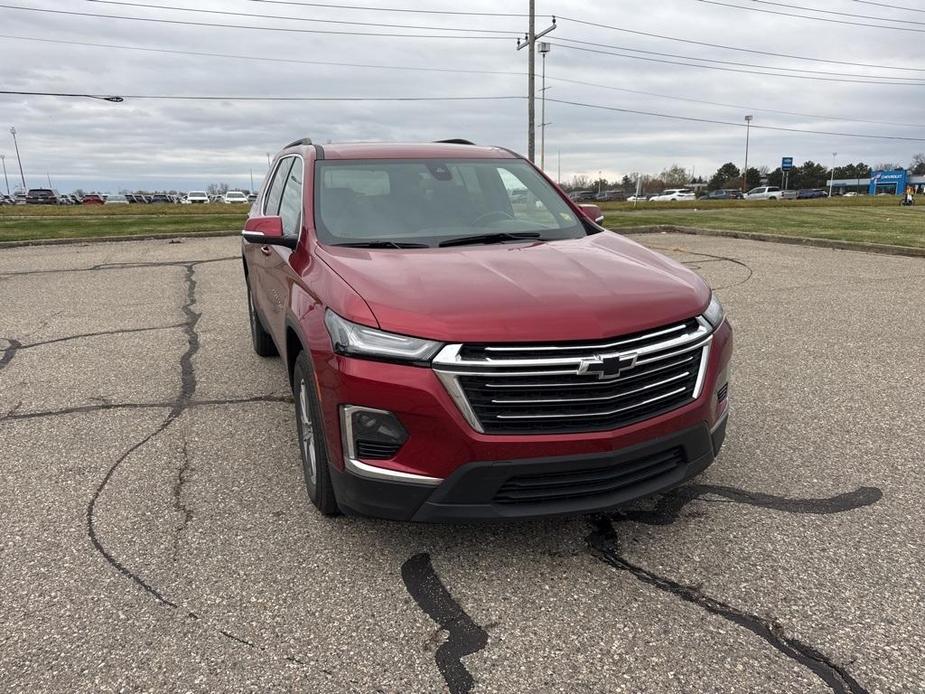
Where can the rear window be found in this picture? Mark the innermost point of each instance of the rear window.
(430, 200)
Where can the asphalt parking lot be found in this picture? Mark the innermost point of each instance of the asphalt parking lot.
(156, 534)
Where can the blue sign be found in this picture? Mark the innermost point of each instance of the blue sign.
(888, 182)
(786, 164)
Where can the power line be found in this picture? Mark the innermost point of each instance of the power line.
(836, 12)
(735, 124)
(417, 68)
(101, 97)
(734, 62)
(395, 9)
(247, 26)
(818, 19)
(290, 18)
(902, 8)
(747, 72)
(203, 97)
(737, 49)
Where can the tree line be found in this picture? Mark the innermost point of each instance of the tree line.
(809, 174)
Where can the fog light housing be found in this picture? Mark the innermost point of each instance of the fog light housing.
(370, 434)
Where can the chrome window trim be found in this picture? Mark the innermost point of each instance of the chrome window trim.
(373, 472)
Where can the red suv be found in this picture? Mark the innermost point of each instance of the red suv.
(463, 342)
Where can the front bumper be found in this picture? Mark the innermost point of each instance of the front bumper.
(464, 470)
(509, 489)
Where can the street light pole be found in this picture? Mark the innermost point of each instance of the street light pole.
(748, 127)
(543, 47)
(529, 42)
(832, 177)
(22, 176)
(3, 160)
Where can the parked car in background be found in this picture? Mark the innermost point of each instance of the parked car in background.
(160, 198)
(117, 200)
(723, 194)
(196, 197)
(637, 198)
(41, 196)
(764, 193)
(674, 195)
(852, 194)
(252, 198)
(557, 400)
(582, 195)
(811, 193)
(610, 196)
(92, 199)
(6, 199)
(235, 197)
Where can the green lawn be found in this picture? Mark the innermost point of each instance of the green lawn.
(20, 223)
(877, 220)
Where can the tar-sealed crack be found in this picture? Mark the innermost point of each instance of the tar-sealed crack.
(184, 512)
(464, 636)
(735, 261)
(14, 415)
(604, 544)
(183, 401)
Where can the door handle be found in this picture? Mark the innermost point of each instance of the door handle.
(265, 250)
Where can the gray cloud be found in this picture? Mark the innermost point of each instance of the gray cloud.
(176, 144)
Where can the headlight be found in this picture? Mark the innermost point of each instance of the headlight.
(715, 312)
(362, 341)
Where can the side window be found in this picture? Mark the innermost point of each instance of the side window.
(275, 190)
(290, 208)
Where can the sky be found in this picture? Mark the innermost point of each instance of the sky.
(162, 144)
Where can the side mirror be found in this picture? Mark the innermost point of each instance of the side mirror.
(592, 212)
(267, 231)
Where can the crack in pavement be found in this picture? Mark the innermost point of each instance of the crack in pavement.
(121, 266)
(12, 415)
(604, 544)
(464, 636)
(735, 261)
(185, 513)
(176, 407)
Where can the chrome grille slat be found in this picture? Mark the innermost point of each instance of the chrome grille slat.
(602, 398)
(575, 387)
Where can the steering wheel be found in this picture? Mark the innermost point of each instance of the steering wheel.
(501, 214)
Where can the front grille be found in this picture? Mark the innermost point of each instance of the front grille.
(582, 483)
(576, 387)
(376, 450)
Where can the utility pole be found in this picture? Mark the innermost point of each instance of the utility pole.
(5, 178)
(748, 126)
(559, 167)
(252, 179)
(832, 177)
(529, 42)
(22, 176)
(543, 48)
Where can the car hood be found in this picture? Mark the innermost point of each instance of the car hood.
(594, 287)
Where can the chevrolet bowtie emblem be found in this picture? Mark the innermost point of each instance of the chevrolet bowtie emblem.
(607, 367)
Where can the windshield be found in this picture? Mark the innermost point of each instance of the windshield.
(429, 201)
(197, 194)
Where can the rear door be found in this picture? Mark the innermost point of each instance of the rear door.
(278, 275)
(258, 256)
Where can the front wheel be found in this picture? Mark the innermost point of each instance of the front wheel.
(312, 444)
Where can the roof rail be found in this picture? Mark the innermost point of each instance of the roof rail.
(454, 141)
(303, 141)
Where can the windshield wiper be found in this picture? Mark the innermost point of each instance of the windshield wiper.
(382, 244)
(498, 237)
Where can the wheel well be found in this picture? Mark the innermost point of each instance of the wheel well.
(293, 347)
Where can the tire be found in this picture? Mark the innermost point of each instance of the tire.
(313, 447)
(260, 338)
